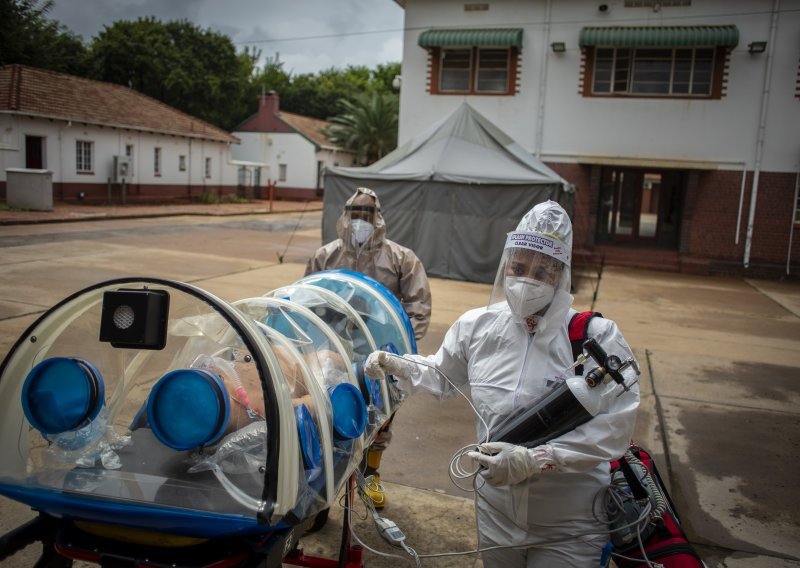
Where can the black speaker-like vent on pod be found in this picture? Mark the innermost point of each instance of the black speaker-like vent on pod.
(135, 319)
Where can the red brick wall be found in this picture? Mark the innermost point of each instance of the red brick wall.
(585, 216)
(95, 193)
(715, 212)
(710, 212)
(708, 224)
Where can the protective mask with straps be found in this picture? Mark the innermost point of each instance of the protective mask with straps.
(527, 296)
(361, 231)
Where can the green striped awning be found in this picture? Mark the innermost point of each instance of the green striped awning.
(660, 36)
(497, 37)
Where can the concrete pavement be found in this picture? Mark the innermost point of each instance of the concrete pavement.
(720, 384)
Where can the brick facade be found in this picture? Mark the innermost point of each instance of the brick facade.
(710, 208)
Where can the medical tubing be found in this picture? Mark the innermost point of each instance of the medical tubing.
(372, 550)
(575, 537)
(238, 389)
(237, 494)
(475, 410)
(455, 469)
(457, 457)
(361, 482)
(660, 502)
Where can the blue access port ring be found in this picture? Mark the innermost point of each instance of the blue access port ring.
(188, 408)
(62, 394)
(349, 411)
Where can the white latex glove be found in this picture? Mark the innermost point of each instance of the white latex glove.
(507, 464)
(382, 363)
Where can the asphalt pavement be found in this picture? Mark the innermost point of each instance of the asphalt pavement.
(720, 360)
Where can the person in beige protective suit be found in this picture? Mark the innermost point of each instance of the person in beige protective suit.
(362, 247)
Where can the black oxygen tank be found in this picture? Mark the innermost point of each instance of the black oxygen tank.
(556, 413)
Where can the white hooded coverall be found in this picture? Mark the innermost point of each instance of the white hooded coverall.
(507, 368)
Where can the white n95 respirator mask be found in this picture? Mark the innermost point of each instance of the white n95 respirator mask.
(527, 296)
(361, 231)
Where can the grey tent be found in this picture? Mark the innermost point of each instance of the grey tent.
(450, 194)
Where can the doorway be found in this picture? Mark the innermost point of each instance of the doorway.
(34, 152)
(640, 206)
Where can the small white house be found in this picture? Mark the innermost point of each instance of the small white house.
(295, 147)
(94, 137)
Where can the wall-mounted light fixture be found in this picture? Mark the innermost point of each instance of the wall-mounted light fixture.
(558, 47)
(397, 82)
(757, 47)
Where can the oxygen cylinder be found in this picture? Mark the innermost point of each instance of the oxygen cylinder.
(568, 405)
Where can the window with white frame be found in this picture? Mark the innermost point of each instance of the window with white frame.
(83, 156)
(473, 61)
(208, 167)
(182, 163)
(281, 172)
(684, 72)
(157, 161)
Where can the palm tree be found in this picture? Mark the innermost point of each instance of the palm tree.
(367, 125)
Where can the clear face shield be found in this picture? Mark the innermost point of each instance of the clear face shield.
(533, 280)
(361, 223)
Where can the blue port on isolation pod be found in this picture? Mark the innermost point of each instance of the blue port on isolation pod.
(188, 408)
(349, 411)
(62, 394)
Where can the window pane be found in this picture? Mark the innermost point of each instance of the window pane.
(654, 71)
(492, 70)
(703, 72)
(651, 71)
(83, 156)
(682, 71)
(622, 70)
(603, 67)
(455, 70)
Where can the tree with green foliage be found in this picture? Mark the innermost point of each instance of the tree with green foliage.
(194, 70)
(318, 94)
(29, 37)
(367, 125)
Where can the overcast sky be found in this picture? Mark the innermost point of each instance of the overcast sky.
(309, 35)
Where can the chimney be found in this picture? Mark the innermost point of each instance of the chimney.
(270, 103)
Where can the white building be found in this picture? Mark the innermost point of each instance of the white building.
(677, 120)
(295, 147)
(79, 129)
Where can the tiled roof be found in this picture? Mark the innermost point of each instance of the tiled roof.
(311, 128)
(37, 92)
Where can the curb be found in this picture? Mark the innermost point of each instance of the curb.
(106, 217)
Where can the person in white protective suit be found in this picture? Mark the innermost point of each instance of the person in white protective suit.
(535, 504)
(362, 247)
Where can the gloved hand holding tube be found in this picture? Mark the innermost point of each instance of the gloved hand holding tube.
(507, 464)
(382, 363)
